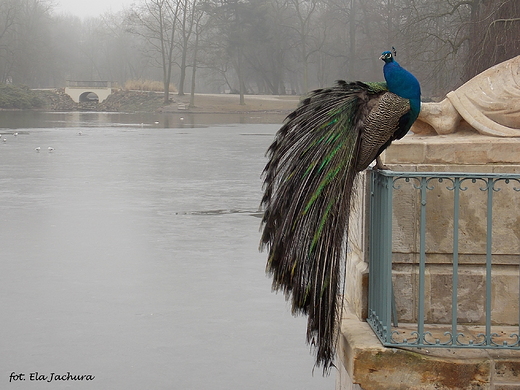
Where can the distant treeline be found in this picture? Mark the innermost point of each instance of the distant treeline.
(256, 46)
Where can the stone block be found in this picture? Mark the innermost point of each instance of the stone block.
(471, 294)
(505, 386)
(440, 207)
(374, 367)
(356, 287)
(356, 267)
(507, 371)
(458, 149)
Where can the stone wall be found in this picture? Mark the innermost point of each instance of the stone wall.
(457, 153)
(363, 362)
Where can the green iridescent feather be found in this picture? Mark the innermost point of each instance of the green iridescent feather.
(308, 185)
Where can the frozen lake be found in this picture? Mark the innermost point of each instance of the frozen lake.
(130, 253)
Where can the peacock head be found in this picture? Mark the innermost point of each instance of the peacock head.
(387, 57)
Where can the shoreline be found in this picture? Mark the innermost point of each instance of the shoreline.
(227, 103)
(144, 101)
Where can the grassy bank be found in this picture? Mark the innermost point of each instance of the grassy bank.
(19, 97)
(222, 103)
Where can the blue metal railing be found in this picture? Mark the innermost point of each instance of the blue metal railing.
(424, 329)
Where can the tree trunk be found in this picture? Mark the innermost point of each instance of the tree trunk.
(195, 50)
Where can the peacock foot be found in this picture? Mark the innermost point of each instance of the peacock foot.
(379, 165)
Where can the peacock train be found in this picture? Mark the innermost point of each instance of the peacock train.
(334, 134)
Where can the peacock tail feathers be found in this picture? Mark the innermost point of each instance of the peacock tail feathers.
(308, 185)
(308, 181)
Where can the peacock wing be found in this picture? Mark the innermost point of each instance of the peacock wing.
(385, 122)
(308, 183)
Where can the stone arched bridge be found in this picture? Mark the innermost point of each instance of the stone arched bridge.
(88, 91)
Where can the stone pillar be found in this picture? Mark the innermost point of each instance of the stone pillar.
(363, 363)
(457, 153)
(356, 284)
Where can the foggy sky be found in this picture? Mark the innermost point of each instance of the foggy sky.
(86, 8)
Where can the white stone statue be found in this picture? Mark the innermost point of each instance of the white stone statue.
(489, 103)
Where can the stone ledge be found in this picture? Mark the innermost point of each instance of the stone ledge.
(374, 367)
(459, 148)
(507, 386)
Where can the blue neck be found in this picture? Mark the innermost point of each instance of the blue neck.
(403, 84)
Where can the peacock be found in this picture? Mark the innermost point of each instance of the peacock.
(334, 134)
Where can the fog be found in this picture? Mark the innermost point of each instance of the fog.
(91, 8)
(254, 46)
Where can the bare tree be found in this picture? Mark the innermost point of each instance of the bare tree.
(189, 15)
(32, 52)
(494, 34)
(119, 54)
(268, 46)
(8, 9)
(305, 12)
(155, 21)
(199, 21)
(229, 21)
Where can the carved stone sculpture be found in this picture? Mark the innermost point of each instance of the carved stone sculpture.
(489, 103)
